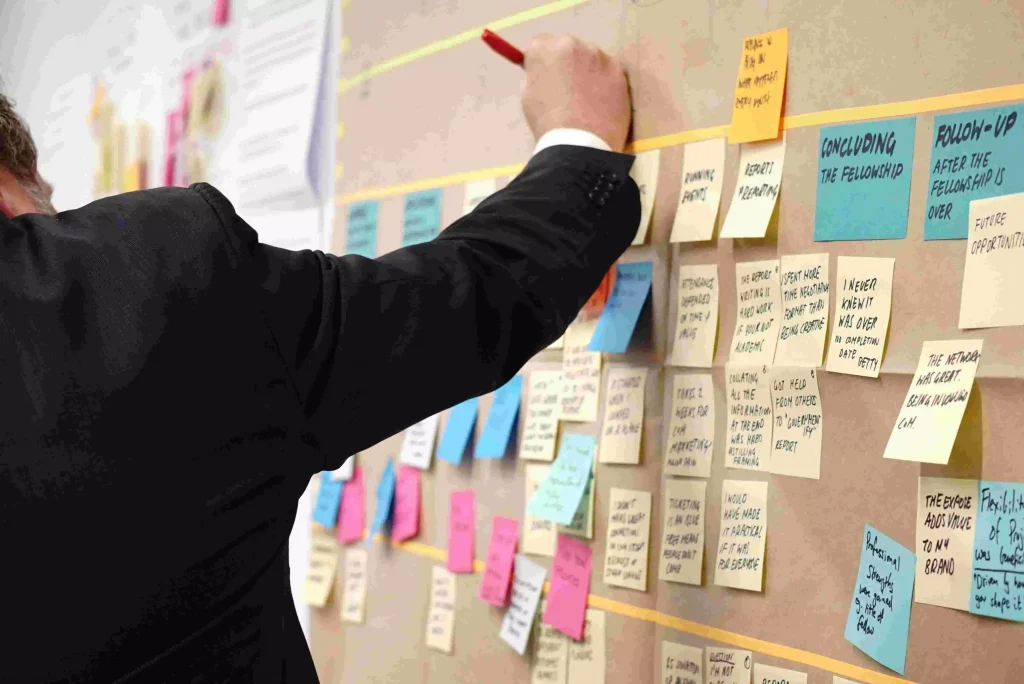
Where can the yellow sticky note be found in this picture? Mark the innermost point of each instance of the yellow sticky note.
(682, 542)
(629, 534)
(587, 657)
(994, 270)
(760, 86)
(323, 563)
(930, 418)
(758, 312)
(691, 428)
(863, 305)
(540, 429)
(353, 602)
(645, 173)
(757, 189)
(539, 535)
(557, 344)
(700, 191)
(946, 513)
(681, 664)
(551, 655)
(441, 618)
(623, 416)
(796, 434)
(767, 674)
(742, 537)
(727, 666)
(696, 316)
(476, 192)
(803, 279)
(749, 419)
(581, 371)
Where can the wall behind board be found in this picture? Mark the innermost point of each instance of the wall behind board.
(456, 110)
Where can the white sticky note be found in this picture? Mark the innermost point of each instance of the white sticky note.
(946, 515)
(863, 304)
(418, 443)
(557, 344)
(476, 192)
(628, 542)
(758, 312)
(767, 674)
(757, 189)
(994, 270)
(681, 664)
(700, 191)
(796, 433)
(587, 657)
(645, 173)
(623, 416)
(836, 679)
(441, 618)
(344, 473)
(551, 655)
(540, 429)
(539, 535)
(353, 602)
(691, 427)
(527, 585)
(727, 666)
(743, 532)
(696, 316)
(581, 371)
(682, 541)
(323, 563)
(803, 279)
(930, 418)
(749, 417)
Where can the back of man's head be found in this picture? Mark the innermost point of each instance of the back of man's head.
(21, 189)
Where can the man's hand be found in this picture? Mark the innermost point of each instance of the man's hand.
(572, 84)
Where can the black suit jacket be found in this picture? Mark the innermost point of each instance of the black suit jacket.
(168, 386)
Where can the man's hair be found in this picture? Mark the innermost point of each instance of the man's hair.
(17, 150)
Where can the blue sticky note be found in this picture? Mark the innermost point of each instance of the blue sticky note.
(328, 500)
(879, 619)
(622, 310)
(361, 231)
(975, 155)
(559, 495)
(385, 495)
(500, 419)
(864, 175)
(461, 421)
(997, 585)
(421, 221)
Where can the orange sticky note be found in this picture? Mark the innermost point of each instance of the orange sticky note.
(757, 105)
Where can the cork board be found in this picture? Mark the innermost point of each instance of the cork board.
(458, 110)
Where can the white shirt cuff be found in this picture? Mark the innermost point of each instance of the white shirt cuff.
(570, 136)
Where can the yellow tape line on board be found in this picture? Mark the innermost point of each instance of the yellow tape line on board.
(973, 98)
(466, 36)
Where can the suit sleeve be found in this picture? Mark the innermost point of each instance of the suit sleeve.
(375, 345)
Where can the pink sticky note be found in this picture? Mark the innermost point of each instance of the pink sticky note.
(352, 514)
(221, 10)
(461, 521)
(570, 584)
(406, 524)
(501, 554)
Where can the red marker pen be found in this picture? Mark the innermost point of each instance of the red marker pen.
(503, 47)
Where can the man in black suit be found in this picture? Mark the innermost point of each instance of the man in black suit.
(169, 384)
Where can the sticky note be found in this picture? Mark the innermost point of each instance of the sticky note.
(582, 524)
(323, 562)
(975, 155)
(682, 542)
(691, 428)
(622, 311)
(551, 659)
(727, 666)
(946, 521)
(421, 220)
(407, 504)
(538, 533)
(628, 541)
(559, 495)
(497, 577)
(749, 419)
(557, 344)
(570, 585)
(760, 86)
(757, 189)
(352, 514)
(742, 534)
(460, 425)
(581, 371)
(476, 192)
(645, 173)
(864, 173)
(623, 416)
(500, 419)
(540, 429)
(700, 191)
(328, 499)
(418, 443)
(461, 530)
(863, 304)
(796, 438)
(836, 679)
(758, 312)
(803, 279)
(994, 269)
(879, 618)
(344, 472)
(441, 617)
(361, 229)
(930, 418)
(353, 601)
(696, 316)
(997, 588)
(681, 664)
(527, 585)
(587, 657)
(385, 496)
(767, 674)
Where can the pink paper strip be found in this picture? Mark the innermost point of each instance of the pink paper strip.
(352, 514)
(406, 523)
(461, 523)
(570, 584)
(501, 554)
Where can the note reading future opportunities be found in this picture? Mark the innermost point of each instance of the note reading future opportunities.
(743, 532)
(758, 312)
(863, 304)
(994, 270)
(696, 316)
(691, 427)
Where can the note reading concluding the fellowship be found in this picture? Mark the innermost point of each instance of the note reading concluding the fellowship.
(863, 304)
